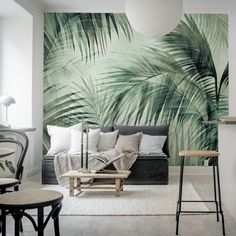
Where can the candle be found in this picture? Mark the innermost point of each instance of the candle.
(82, 146)
(82, 129)
(87, 138)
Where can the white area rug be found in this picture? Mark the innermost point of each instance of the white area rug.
(134, 200)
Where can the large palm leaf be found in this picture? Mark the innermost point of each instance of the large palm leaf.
(72, 42)
(192, 44)
(89, 32)
(175, 81)
(178, 86)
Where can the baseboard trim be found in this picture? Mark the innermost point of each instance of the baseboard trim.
(191, 170)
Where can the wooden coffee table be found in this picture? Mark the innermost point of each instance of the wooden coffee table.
(75, 181)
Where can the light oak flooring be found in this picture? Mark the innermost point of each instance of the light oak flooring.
(197, 225)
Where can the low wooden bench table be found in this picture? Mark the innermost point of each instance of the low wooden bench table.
(75, 181)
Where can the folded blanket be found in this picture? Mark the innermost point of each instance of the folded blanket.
(65, 162)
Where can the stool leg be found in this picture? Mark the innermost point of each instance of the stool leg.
(179, 203)
(40, 221)
(219, 194)
(215, 194)
(0, 221)
(3, 223)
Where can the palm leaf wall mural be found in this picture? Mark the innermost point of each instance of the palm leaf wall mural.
(97, 66)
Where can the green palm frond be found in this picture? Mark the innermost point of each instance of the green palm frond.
(180, 80)
(192, 49)
(214, 27)
(177, 86)
(87, 32)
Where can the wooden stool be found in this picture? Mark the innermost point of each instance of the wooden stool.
(212, 154)
(16, 203)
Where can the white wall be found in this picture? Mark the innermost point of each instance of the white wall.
(37, 81)
(16, 72)
(227, 163)
(21, 72)
(227, 133)
(16, 69)
(232, 59)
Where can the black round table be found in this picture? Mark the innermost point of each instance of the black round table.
(16, 203)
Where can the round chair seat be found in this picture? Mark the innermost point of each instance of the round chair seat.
(30, 199)
(199, 153)
(16, 203)
(8, 182)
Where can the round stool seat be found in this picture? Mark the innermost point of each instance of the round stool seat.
(30, 199)
(8, 182)
(199, 153)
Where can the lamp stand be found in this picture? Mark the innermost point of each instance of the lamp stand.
(6, 115)
(6, 118)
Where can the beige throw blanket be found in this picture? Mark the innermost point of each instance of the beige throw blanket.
(65, 162)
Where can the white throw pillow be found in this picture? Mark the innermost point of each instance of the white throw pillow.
(60, 138)
(93, 137)
(107, 141)
(151, 144)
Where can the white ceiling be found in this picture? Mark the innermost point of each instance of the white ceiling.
(9, 8)
(119, 5)
(83, 5)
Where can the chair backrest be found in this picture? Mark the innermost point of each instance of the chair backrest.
(21, 140)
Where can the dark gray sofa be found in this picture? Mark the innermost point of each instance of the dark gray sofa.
(148, 169)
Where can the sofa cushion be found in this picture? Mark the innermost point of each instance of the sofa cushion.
(60, 138)
(128, 142)
(107, 141)
(93, 137)
(151, 144)
(161, 130)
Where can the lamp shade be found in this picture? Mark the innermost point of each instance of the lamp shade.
(6, 101)
(154, 17)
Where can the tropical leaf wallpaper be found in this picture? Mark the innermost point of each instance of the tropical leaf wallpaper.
(95, 65)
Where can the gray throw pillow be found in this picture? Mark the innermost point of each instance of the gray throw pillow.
(128, 142)
(107, 141)
(151, 144)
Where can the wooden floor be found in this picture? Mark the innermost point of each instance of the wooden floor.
(200, 225)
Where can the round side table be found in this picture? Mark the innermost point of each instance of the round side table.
(16, 203)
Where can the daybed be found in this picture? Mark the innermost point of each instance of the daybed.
(148, 169)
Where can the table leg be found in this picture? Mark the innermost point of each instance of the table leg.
(71, 187)
(40, 221)
(79, 184)
(122, 185)
(117, 187)
(17, 225)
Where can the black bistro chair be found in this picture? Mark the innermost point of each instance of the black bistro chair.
(19, 142)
